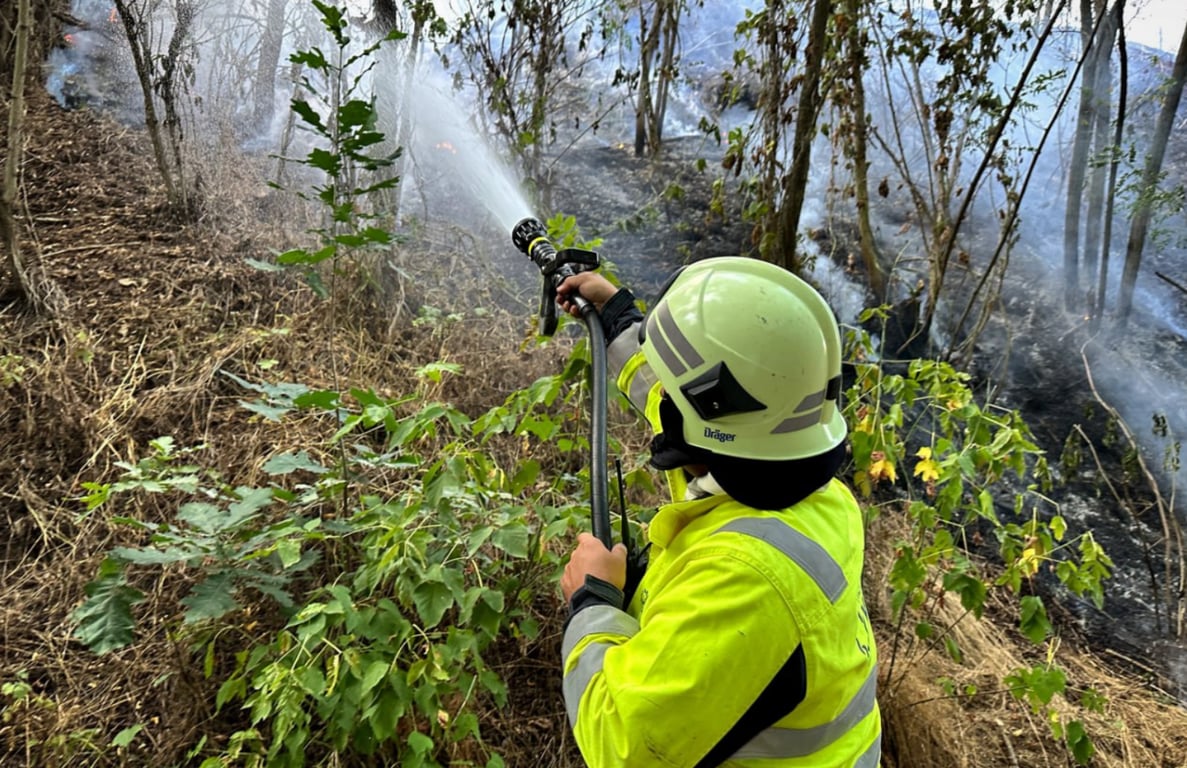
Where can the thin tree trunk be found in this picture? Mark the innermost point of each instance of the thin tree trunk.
(271, 41)
(1079, 161)
(1101, 144)
(855, 60)
(1114, 163)
(667, 71)
(168, 92)
(9, 230)
(1141, 218)
(796, 181)
(648, 41)
(142, 58)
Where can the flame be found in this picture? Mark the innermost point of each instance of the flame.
(69, 39)
(447, 147)
(112, 17)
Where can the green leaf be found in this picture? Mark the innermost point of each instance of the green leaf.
(286, 463)
(953, 649)
(314, 59)
(325, 399)
(264, 266)
(525, 475)
(1033, 622)
(204, 517)
(433, 599)
(512, 539)
(251, 501)
(324, 160)
(104, 620)
(972, 590)
(1093, 701)
(312, 680)
(434, 371)
(211, 598)
(420, 743)
(289, 552)
(373, 672)
(269, 412)
(1079, 743)
(477, 538)
(355, 113)
(125, 737)
(151, 556)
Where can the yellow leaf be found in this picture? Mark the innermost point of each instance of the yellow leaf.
(882, 469)
(1029, 561)
(928, 470)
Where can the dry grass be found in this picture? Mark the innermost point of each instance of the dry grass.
(1140, 727)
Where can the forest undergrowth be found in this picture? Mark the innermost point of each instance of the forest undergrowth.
(169, 334)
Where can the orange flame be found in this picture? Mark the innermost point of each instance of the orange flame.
(447, 147)
(69, 39)
(111, 17)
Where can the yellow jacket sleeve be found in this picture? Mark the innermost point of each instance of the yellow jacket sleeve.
(666, 693)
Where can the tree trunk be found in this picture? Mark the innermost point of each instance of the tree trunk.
(648, 42)
(25, 285)
(667, 71)
(1079, 161)
(167, 88)
(1101, 145)
(855, 61)
(1141, 218)
(1114, 163)
(271, 41)
(143, 60)
(796, 181)
(9, 234)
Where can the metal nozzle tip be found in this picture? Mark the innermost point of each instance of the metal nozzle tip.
(525, 232)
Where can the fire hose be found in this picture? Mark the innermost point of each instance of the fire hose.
(530, 237)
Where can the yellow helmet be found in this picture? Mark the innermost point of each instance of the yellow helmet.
(750, 355)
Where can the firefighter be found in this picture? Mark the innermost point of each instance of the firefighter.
(746, 642)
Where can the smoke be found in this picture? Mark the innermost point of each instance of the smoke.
(449, 153)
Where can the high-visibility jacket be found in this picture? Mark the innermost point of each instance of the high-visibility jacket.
(729, 595)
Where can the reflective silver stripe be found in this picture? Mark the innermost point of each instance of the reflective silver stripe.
(796, 423)
(803, 420)
(665, 352)
(597, 619)
(578, 679)
(803, 551)
(872, 757)
(810, 402)
(801, 742)
(677, 337)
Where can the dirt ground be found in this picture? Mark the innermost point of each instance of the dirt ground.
(152, 311)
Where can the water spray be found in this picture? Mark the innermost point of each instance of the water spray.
(530, 237)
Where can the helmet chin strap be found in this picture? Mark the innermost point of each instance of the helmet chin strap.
(668, 448)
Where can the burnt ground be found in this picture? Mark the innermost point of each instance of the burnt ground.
(153, 309)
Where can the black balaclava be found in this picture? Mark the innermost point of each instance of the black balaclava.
(768, 485)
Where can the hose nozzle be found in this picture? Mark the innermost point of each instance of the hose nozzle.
(526, 232)
(530, 237)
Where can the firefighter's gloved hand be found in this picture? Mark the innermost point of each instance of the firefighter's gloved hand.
(591, 558)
